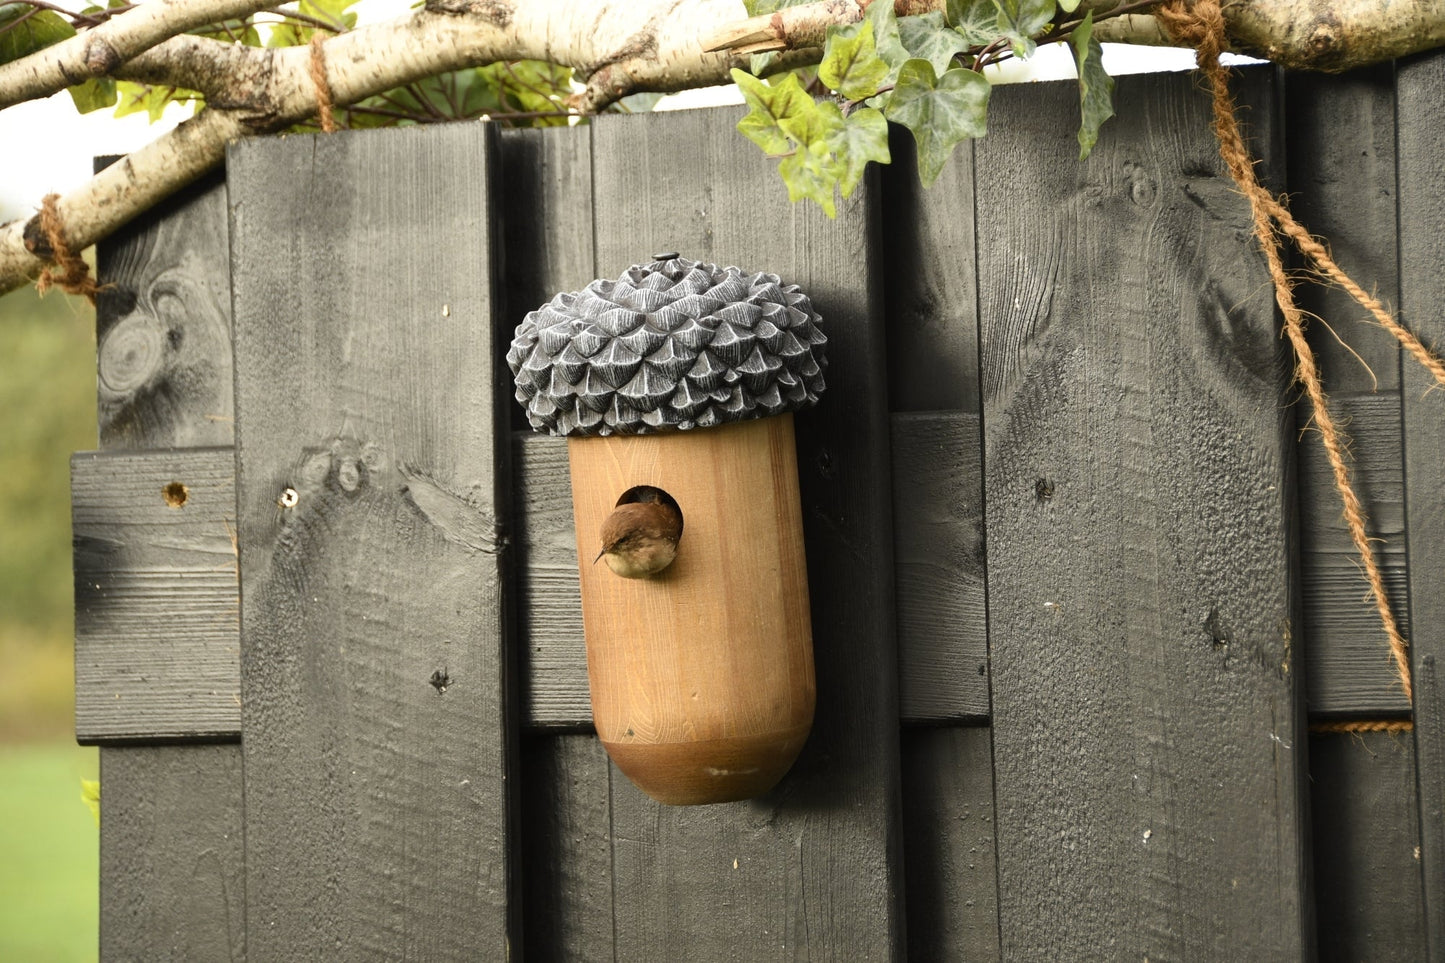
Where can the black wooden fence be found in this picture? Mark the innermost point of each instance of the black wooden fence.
(328, 634)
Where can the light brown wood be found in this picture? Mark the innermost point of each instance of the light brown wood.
(702, 675)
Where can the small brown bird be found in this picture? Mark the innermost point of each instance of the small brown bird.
(639, 538)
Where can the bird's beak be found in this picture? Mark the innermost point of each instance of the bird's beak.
(599, 556)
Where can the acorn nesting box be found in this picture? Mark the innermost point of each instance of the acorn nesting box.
(675, 386)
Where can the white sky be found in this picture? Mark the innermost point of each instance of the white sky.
(46, 146)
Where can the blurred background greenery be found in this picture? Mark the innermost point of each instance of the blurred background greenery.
(49, 842)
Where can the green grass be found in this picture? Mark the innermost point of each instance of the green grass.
(49, 843)
(49, 854)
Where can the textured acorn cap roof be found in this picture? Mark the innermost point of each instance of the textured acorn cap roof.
(672, 344)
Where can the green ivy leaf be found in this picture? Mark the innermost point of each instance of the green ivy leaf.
(887, 40)
(862, 137)
(1069, 6)
(772, 105)
(851, 65)
(97, 93)
(1096, 88)
(21, 37)
(975, 20)
(928, 37)
(1020, 20)
(941, 111)
(811, 173)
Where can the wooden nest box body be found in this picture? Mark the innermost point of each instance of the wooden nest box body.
(683, 377)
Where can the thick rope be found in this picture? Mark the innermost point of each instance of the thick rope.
(1201, 25)
(324, 101)
(1364, 725)
(1319, 256)
(75, 273)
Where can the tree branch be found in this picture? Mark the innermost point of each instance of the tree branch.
(620, 46)
(616, 46)
(1300, 34)
(100, 50)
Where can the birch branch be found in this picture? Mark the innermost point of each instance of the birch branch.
(615, 46)
(98, 51)
(1299, 34)
(620, 46)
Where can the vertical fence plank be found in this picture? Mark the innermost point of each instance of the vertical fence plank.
(377, 729)
(1420, 91)
(1365, 827)
(172, 878)
(1341, 134)
(566, 819)
(547, 245)
(1148, 749)
(567, 831)
(813, 867)
(949, 844)
(948, 792)
(1366, 833)
(170, 832)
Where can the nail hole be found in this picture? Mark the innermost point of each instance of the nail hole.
(440, 679)
(175, 494)
(289, 498)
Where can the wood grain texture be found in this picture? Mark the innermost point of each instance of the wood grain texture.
(1341, 168)
(1341, 171)
(173, 882)
(701, 675)
(1349, 671)
(948, 834)
(937, 545)
(546, 248)
(812, 868)
(554, 662)
(1146, 708)
(1366, 832)
(377, 715)
(567, 848)
(546, 220)
(932, 303)
(938, 554)
(157, 638)
(163, 325)
(1420, 90)
(171, 862)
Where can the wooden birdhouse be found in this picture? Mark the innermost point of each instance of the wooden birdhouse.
(675, 386)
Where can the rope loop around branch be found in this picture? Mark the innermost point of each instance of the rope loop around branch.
(324, 101)
(68, 271)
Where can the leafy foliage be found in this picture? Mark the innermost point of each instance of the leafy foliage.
(924, 72)
(940, 110)
(25, 29)
(528, 91)
(1096, 88)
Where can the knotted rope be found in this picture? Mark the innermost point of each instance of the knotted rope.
(1201, 25)
(74, 274)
